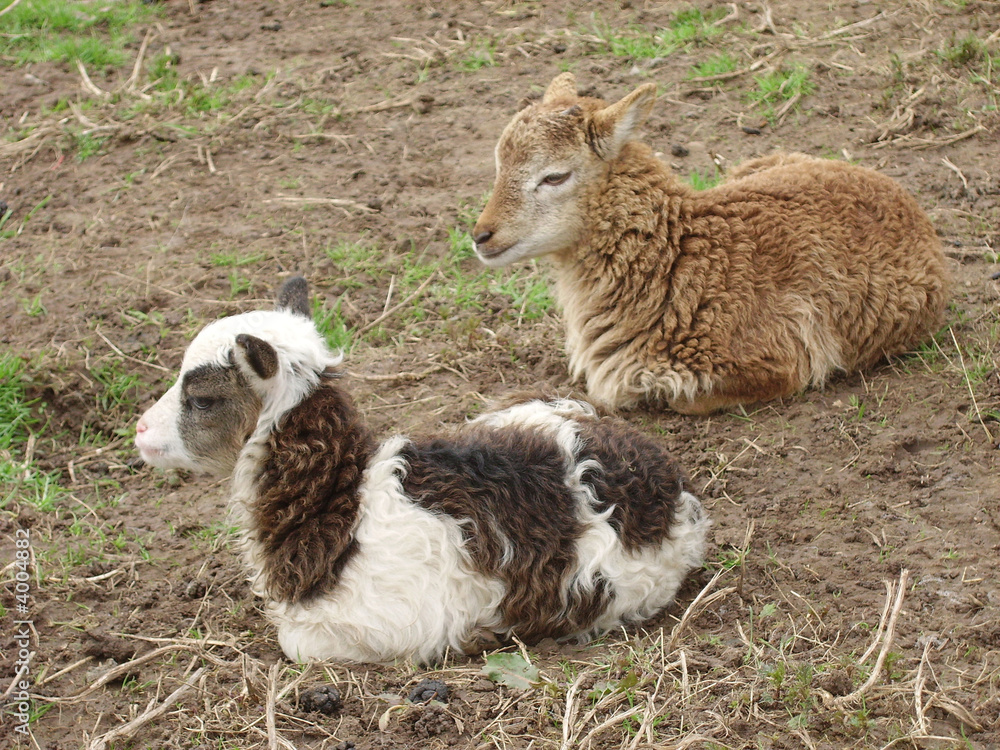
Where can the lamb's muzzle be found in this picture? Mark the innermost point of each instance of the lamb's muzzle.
(542, 519)
(791, 270)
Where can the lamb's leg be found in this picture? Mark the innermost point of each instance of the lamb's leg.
(747, 388)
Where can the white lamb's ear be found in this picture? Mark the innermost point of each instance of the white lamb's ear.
(294, 297)
(615, 125)
(255, 356)
(563, 86)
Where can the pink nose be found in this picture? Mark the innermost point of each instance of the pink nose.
(141, 427)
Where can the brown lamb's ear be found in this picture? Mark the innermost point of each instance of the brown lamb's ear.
(256, 354)
(612, 127)
(294, 297)
(563, 86)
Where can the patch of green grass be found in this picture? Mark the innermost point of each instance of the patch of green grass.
(777, 88)
(238, 284)
(330, 323)
(529, 294)
(703, 181)
(6, 233)
(195, 97)
(688, 28)
(480, 55)
(119, 389)
(352, 258)
(20, 480)
(15, 408)
(714, 66)
(317, 107)
(964, 51)
(449, 286)
(236, 259)
(87, 145)
(70, 30)
(34, 307)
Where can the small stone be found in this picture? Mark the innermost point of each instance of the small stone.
(484, 686)
(679, 150)
(323, 698)
(835, 683)
(195, 589)
(273, 26)
(429, 690)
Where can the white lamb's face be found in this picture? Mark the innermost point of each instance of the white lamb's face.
(203, 420)
(237, 371)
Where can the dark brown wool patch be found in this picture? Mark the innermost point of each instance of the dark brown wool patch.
(307, 502)
(639, 479)
(508, 484)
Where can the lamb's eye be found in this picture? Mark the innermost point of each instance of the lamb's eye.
(201, 403)
(556, 178)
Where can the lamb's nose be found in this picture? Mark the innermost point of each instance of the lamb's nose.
(483, 237)
(141, 427)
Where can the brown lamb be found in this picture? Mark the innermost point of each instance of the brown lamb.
(792, 269)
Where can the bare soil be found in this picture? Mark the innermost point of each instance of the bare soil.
(363, 121)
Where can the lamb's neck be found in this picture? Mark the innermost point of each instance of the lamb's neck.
(637, 218)
(295, 493)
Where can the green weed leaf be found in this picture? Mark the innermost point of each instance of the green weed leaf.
(511, 670)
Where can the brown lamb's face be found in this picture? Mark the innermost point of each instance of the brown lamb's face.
(548, 159)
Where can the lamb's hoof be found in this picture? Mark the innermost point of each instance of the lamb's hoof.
(322, 698)
(429, 690)
(479, 641)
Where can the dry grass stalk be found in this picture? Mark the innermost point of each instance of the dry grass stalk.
(399, 306)
(968, 384)
(703, 600)
(118, 671)
(899, 590)
(339, 202)
(151, 713)
(88, 85)
(10, 7)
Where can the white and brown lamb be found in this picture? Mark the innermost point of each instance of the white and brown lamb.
(542, 519)
(792, 269)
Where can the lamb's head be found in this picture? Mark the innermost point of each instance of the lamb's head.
(549, 159)
(239, 373)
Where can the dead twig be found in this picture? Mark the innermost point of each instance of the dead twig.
(899, 590)
(150, 714)
(137, 68)
(88, 84)
(116, 672)
(407, 377)
(368, 326)
(948, 163)
(382, 106)
(702, 598)
(10, 7)
(968, 384)
(853, 26)
(339, 202)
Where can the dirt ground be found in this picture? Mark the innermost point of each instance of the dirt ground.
(849, 596)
